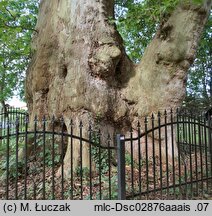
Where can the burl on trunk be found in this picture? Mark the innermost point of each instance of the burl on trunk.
(80, 68)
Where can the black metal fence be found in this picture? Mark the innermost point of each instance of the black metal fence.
(9, 116)
(173, 158)
(167, 156)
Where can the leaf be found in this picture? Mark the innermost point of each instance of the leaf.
(17, 19)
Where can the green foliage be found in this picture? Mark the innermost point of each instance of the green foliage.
(17, 21)
(114, 189)
(48, 151)
(100, 157)
(199, 85)
(137, 22)
(37, 156)
(12, 157)
(82, 172)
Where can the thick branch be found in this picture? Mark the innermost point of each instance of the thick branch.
(160, 77)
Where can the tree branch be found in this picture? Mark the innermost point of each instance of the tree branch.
(164, 66)
(14, 18)
(22, 27)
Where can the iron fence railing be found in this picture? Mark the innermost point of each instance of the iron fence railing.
(167, 156)
(174, 157)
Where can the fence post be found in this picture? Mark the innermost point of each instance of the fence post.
(210, 144)
(121, 167)
(209, 133)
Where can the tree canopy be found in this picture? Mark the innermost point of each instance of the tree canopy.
(17, 21)
(199, 84)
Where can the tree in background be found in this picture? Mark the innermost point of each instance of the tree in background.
(199, 85)
(17, 21)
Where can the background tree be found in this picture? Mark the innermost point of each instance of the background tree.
(137, 22)
(199, 85)
(17, 21)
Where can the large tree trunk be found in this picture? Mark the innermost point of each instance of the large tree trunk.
(80, 68)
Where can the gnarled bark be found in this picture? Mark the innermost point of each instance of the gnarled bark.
(80, 68)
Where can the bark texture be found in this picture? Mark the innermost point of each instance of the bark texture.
(80, 69)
